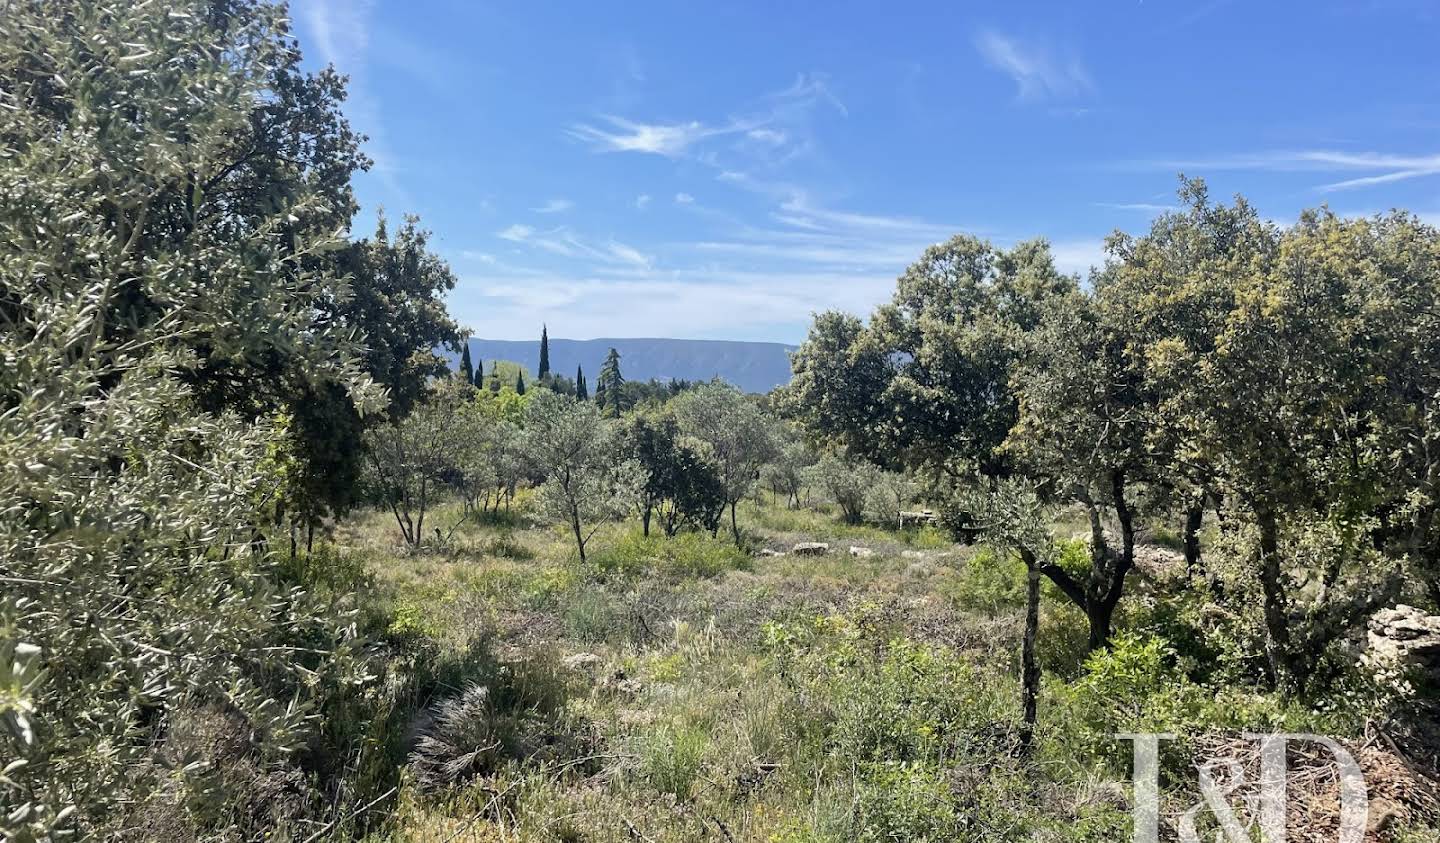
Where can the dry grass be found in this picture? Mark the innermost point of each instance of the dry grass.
(719, 701)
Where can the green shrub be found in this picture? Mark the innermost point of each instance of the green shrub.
(925, 537)
(905, 801)
(987, 581)
(505, 546)
(594, 615)
(671, 758)
(685, 555)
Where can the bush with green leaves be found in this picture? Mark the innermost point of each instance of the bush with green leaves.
(891, 492)
(587, 482)
(847, 482)
(685, 555)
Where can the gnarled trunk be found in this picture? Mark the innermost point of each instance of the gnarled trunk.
(1029, 663)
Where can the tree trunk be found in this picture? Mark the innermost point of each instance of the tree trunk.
(1029, 664)
(645, 521)
(734, 528)
(579, 536)
(1194, 518)
(1277, 623)
(1099, 613)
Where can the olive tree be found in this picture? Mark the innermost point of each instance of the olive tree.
(735, 433)
(411, 460)
(586, 483)
(133, 481)
(889, 495)
(786, 472)
(847, 481)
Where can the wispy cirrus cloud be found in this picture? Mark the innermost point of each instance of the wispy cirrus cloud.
(1369, 168)
(671, 140)
(566, 243)
(341, 32)
(1040, 73)
(776, 121)
(1142, 207)
(555, 206)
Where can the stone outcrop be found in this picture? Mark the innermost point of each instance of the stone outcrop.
(923, 516)
(811, 549)
(1406, 638)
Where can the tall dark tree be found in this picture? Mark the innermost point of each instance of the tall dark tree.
(544, 371)
(466, 367)
(479, 379)
(608, 391)
(396, 303)
(680, 486)
(581, 391)
(520, 382)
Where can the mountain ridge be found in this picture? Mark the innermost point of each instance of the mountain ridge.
(750, 365)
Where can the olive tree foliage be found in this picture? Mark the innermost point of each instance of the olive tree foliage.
(1012, 515)
(411, 461)
(133, 281)
(737, 437)
(890, 493)
(787, 471)
(395, 303)
(586, 483)
(846, 481)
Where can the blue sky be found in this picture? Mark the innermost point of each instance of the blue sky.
(724, 169)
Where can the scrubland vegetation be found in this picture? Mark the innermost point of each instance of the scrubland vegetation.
(273, 571)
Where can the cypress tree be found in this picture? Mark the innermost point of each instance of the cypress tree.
(466, 367)
(479, 380)
(580, 391)
(544, 353)
(610, 380)
(520, 382)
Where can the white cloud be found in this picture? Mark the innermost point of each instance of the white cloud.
(684, 199)
(670, 140)
(628, 254)
(642, 201)
(773, 137)
(694, 304)
(554, 206)
(809, 89)
(1376, 167)
(1039, 73)
(516, 233)
(774, 127)
(1144, 207)
(1078, 257)
(566, 243)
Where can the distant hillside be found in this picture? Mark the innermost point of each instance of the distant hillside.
(752, 366)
